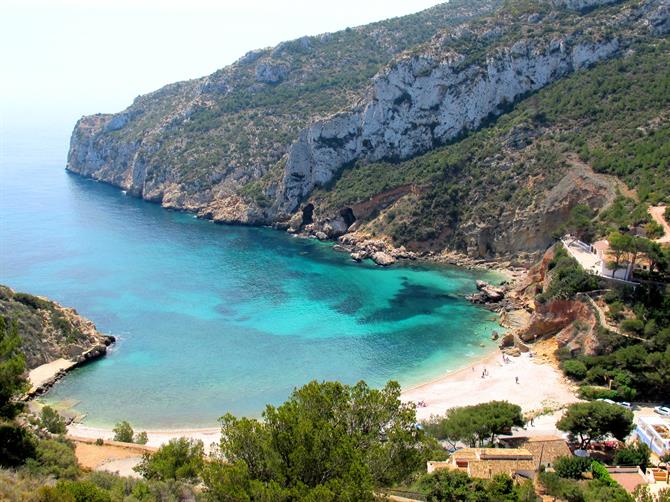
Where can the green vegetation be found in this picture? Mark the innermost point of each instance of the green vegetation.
(180, 459)
(476, 425)
(595, 420)
(572, 467)
(567, 278)
(635, 454)
(590, 113)
(12, 366)
(629, 368)
(52, 421)
(328, 438)
(454, 486)
(124, 433)
(36, 319)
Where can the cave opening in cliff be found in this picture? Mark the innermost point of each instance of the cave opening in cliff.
(308, 214)
(348, 215)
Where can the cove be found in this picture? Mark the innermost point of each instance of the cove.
(213, 319)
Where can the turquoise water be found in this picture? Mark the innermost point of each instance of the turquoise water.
(211, 318)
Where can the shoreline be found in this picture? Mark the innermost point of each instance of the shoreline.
(541, 386)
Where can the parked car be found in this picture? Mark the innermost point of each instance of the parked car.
(663, 410)
(609, 401)
(625, 404)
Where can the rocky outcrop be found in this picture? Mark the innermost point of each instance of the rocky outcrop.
(581, 5)
(50, 331)
(426, 100)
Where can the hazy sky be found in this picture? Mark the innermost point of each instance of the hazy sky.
(61, 59)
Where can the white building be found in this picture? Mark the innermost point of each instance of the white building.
(655, 432)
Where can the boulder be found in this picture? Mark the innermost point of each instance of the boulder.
(321, 236)
(383, 259)
(359, 255)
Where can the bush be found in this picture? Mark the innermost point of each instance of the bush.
(179, 459)
(572, 467)
(16, 445)
(590, 392)
(123, 432)
(73, 491)
(634, 326)
(141, 438)
(574, 369)
(54, 458)
(52, 421)
(636, 454)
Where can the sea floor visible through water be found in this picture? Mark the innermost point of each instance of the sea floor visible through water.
(213, 319)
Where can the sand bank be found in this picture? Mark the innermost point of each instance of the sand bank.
(207, 435)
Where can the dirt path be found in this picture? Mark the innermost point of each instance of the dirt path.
(658, 212)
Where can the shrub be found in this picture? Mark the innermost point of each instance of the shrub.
(52, 421)
(633, 326)
(73, 491)
(574, 369)
(123, 432)
(179, 459)
(141, 438)
(54, 457)
(99, 442)
(590, 392)
(16, 445)
(636, 454)
(600, 472)
(572, 467)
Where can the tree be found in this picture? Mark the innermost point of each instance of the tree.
(12, 369)
(327, 438)
(180, 458)
(619, 244)
(594, 420)
(52, 421)
(580, 222)
(141, 438)
(123, 432)
(478, 424)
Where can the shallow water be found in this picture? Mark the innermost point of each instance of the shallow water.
(211, 318)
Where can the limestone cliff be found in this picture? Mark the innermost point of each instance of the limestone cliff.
(427, 100)
(334, 134)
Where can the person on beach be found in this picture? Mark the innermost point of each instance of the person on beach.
(517, 379)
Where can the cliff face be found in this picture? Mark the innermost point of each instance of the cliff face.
(274, 138)
(49, 331)
(196, 145)
(423, 102)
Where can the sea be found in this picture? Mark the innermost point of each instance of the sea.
(209, 318)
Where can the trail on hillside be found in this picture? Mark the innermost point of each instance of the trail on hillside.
(657, 212)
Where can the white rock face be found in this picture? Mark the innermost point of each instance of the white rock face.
(581, 4)
(423, 102)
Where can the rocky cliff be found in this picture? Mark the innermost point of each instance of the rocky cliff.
(283, 135)
(49, 331)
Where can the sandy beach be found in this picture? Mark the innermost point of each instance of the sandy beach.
(540, 386)
(208, 435)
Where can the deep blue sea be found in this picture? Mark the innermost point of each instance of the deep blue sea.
(210, 318)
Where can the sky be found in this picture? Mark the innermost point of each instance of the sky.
(61, 59)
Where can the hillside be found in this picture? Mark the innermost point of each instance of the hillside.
(395, 125)
(49, 331)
